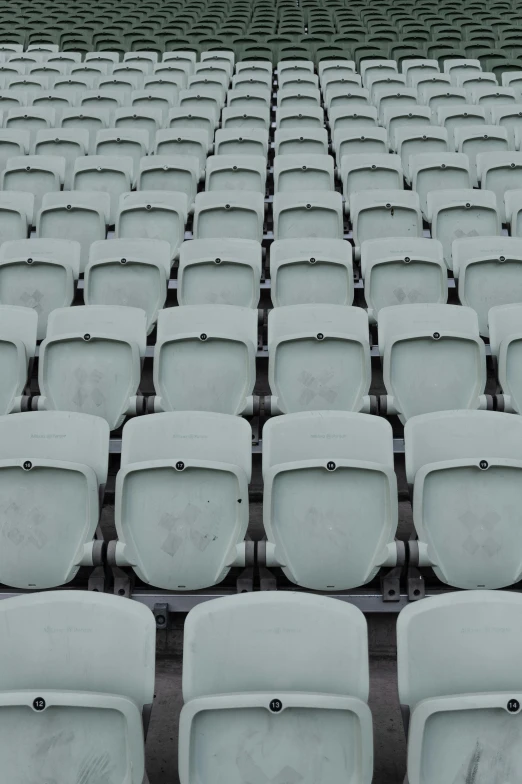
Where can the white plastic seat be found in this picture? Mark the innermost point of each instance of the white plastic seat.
(170, 173)
(16, 215)
(91, 120)
(310, 117)
(494, 96)
(175, 71)
(333, 66)
(199, 98)
(298, 98)
(200, 118)
(505, 333)
(50, 101)
(202, 87)
(379, 84)
(426, 83)
(402, 272)
(412, 116)
(433, 359)
(39, 274)
(184, 141)
(225, 214)
(132, 273)
(349, 120)
(90, 361)
(36, 174)
(153, 215)
(244, 101)
(438, 171)
(190, 540)
(413, 69)
(364, 140)
(507, 116)
(60, 459)
(160, 86)
(330, 84)
(117, 85)
(102, 98)
(97, 712)
(289, 80)
(257, 66)
(231, 141)
(74, 215)
(13, 143)
(473, 140)
(474, 82)
(107, 58)
(295, 66)
(139, 118)
(237, 173)
(456, 214)
(68, 144)
(252, 79)
(380, 214)
(371, 68)
(499, 172)
(308, 214)
(111, 174)
(12, 99)
(419, 141)
(123, 142)
(205, 359)
(17, 349)
(272, 705)
(133, 72)
(369, 172)
(220, 272)
(305, 172)
(72, 86)
(458, 678)
(457, 66)
(441, 96)
(395, 97)
(319, 359)
(513, 206)
(181, 56)
(144, 58)
(315, 271)
(250, 119)
(29, 119)
(458, 117)
(347, 98)
(465, 468)
(330, 503)
(150, 99)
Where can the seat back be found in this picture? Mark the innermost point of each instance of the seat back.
(17, 349)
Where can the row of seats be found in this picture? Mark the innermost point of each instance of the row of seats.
(204, 359)
(282, 696)
(330, 509)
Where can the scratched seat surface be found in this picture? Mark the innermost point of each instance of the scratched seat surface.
(300, 715)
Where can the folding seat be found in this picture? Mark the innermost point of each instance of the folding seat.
(105, 99)
(73, 87)
(458, 66)
(499, 172)
(456, 214)
(48, 75)
(193, 142)
(319, 359)
(13, 143)
(92, 72)
(245, 101)
(50, 101)
(508, 117)
(473, 140)
(415, 68)
(357, 493)
(23, 59)
(201, 98)
(348, 98)
(139, 119)
(17, 350)
(294, 173)
(315, 271)
(16, 215)
(455, 118)
(488, 271)
(439, 96)
(364, 140)
(201, 119)
(68, 144)
(346, 78)
(91, 120)
(234, 142)
(39, 274)
(222, 214)
(261, 740)
(381, 214)
(438, 171)
(52, 476)
(133, 272)
(329, 67)
(404, 98)
(295, 66)
(400, 118)
(352, 119)
(241, 173)
(367, 172)
(431, 84)
(372, 67)
(177, 72)
(113, 175)
(204, 359)
(295, 80)
(452, 521)
(27, 86)
(118, 85)
(134, 73)
(184, 57)
(298, 118)
(472, 83)
(433, 359)
(170, 173)
(105, 57)
(146, 59)
(494, 96)
(251, 119)
(159, 215)
(74, 215)
(90, 361)
(98, 713)
(402, 271)
(298, 98)
(308, 214)
(127, 142)
(220, 271)
(505, 332)
(11, 99)
(414, 141)
(378, 82)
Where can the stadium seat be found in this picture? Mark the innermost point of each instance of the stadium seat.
(238, 173)
(111, 174)
(39, 274)
(36, 174)
(53, 471)
(312, 682)
(170, 173)
(304, 172)
(97, 712)
(460, 117)
(412, 141)
(402, 272)
(16, 215)
(312, 476)
(234, 142)
(508, 117)
(480, 139)
(190, 540)
(438, 171)
(365, 140)
(90, 361)
(28, 119)
(352, 119)
(504, 332)
(69, 144)
(433, 359)
(92, 120)
(319, 359)
(14, 142)
(458, 678)
(123, 142)
(379, 214)
(499, 172)
(463, 467)
(370, 172)
(220, 272)
(308, 214)
(310, 117)
(184, 141)
(246, 120)
(17, 349)
(140, 118)
(488, 271)
(74, 215)
(205, 359)
(153, 215)
(133, 273)
(226, 215)
(456, 214)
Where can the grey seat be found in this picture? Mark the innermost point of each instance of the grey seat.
(233, 141)
(69, 144)
(308, 214)
(153, 215)
(237, 173)
(170, 173)
(304, 172)
(505, 340)
(36, 174)
(16, 215)
(226, 215)
(110, 174)
(17, 349)
(438, 171)
(380, 214)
